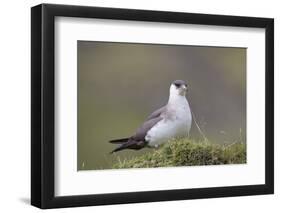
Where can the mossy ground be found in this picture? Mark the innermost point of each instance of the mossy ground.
(187, 152)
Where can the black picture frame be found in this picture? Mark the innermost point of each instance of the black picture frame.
(43, 102)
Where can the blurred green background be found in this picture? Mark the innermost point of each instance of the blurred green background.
(120, 84)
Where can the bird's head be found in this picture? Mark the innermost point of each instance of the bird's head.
(178, 87)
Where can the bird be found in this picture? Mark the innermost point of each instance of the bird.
(171, 121)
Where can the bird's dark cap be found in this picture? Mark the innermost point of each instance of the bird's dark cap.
(179, 83)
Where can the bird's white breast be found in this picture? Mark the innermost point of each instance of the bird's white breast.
(176, 123)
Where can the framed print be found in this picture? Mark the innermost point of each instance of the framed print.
(139, 106)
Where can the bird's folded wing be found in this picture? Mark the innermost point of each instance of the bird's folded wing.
(156, 113)
(147, 125)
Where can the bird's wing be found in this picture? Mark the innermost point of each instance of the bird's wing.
(151, 120)
(137, 141)
(156, 113)
(146, 126)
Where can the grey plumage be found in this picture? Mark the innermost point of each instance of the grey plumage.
(157, 113)
(147, 125)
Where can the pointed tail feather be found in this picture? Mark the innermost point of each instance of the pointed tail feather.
(130, 144)
(121, 140)
(119, 148)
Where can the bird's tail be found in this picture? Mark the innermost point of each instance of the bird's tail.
(123, 144)
(120, 147)
(129, 144)
(121, 140)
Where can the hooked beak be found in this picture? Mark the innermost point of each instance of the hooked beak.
(183, 90)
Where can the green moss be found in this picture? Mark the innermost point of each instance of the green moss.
(187, 152)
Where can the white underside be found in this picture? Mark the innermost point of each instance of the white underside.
(176, 126)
